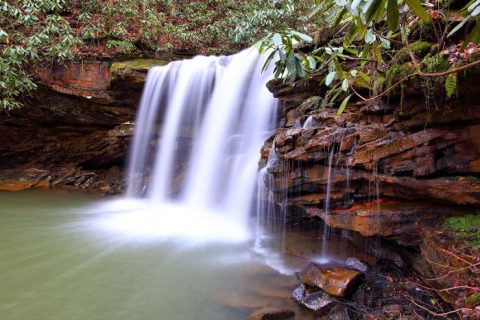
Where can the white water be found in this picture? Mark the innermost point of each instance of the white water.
(194, 159)
(309, 123)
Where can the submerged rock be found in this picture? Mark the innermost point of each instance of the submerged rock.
(335, 280)
(272, 314)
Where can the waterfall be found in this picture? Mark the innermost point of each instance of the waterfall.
(309, 123)
(198, 135)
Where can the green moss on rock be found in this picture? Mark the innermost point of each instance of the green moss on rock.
(473, 300)
(419, 48)
(137, 64)
(466, 228)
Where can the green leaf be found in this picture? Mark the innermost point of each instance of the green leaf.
(343, 105)
(458, 27)
(451, 84)
(373, 9)
(302, 36)
(277, 39)
(369, 36)
(329, 78)
(267, 62)
(419, 11)
(312, 64)
(393, 15)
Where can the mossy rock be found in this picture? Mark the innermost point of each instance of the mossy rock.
(136, 65)
(419, 48)
(466, 228)
(472, 300)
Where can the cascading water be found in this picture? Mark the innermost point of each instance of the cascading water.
(309, 123)
(194, 160)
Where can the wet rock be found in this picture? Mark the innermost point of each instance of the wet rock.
(335, 280)
(383, 252)
(340, 312)
(314, 299)
(426, 163)
(309, 105)
(356, 264)
(272, 314)
(396, 220)
(393, 310)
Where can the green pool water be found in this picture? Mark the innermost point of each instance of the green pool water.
(56, 264)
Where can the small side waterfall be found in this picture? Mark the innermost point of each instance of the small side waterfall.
(198, 135)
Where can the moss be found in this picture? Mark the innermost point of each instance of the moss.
(396, 73)
(466, 228)
(473, 300)
(137, 64)
(419, 48)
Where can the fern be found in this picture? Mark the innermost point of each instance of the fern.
(451, 84)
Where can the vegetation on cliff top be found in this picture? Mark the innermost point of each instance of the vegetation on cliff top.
(36, 32)
(364, 50)
(359, 49)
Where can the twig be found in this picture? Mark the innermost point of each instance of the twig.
(450, 272)
(422, 74)
(434, 313)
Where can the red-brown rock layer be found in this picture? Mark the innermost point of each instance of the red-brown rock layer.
(413, 162)
(74, 131)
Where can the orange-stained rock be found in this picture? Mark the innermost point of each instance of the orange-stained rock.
(397, 220)
(335, 280)
(14, 185)
(87, 79)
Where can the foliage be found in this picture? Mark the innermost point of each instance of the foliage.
(467, 228)
(360, 44)
(256, 18)
(30, 32)
(44, 31)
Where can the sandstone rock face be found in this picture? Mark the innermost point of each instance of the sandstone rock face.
(75, 129)
(333, 279)
(390, 164)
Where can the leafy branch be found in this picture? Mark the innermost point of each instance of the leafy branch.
(361, 58)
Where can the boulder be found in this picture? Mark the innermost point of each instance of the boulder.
(340, 312)
(335, 280)
(356, 264)
(314, 299)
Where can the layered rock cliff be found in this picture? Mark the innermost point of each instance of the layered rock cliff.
(75, 129)
(381, 168)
